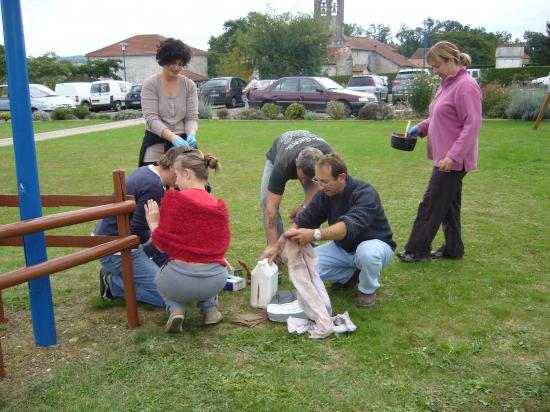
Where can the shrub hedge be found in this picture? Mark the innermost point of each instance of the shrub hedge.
(509, 75)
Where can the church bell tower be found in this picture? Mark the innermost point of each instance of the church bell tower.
(331, 13)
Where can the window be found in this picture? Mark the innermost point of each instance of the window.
(287, 85)
(104, 87)
(323, 8)
(309, 85)
(4, 92)
(361, 81)
(123, 87)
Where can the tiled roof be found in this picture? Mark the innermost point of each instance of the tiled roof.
(418, 54)
(364, 43)
(194, 76)
(140, 45)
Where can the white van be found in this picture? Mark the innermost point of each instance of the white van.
(109, 94)
(78, 92)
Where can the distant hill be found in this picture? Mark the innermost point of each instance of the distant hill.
(75, 59)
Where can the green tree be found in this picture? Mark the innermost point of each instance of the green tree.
(538, 46)
(481, 48)
(408, 40)
(96, 69)
(380, 32)
(353, 30)
(480, 44)
(223, 45)
(287, 44)
(275, 45)
(48, 69)
(2, 64)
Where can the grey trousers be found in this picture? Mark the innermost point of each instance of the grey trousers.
(179, 284)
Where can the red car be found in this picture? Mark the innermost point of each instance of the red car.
(313, 92)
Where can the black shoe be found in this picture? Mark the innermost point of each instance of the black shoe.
(438, 254)
(352, 282)
(105, 284)
(410, 257)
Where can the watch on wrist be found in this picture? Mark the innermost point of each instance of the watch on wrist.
(317, 234)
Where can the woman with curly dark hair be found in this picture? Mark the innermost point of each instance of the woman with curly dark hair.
(170, 104)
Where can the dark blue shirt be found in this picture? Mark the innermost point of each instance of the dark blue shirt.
(143, 184)
(359, 206)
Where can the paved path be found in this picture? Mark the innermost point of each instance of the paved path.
(78, 130)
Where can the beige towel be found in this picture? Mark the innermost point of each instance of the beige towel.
(303, 271)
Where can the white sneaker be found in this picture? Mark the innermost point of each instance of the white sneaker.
(212, 317)
(281, 312)
(175, 322)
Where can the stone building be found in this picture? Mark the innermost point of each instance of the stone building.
(354, 55)
(139, 55)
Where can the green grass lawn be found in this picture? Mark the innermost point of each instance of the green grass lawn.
(467, 335)
(51, 125)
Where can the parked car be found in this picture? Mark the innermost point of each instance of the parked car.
(133, 99)
(78, 92)
(399, 85)
(313, 92)
(109, 94)
(226, 91)
(542, 81)
(42, 98)
(266, 82)
(369, 83)
(475, 73)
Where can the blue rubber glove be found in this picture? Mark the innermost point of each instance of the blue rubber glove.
(191, 141)
(179, 142)
(413, 132)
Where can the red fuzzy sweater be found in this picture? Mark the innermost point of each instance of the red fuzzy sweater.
(193, 227)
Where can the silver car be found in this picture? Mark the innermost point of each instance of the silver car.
(42, 98)
(370, 83)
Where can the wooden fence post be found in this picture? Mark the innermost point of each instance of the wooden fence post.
(542, 112)
(126, 254)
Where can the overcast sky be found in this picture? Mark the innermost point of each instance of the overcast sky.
(77, 27)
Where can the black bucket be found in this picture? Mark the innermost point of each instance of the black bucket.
(400, 142)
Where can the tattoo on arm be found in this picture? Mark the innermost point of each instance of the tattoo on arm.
(272, 222)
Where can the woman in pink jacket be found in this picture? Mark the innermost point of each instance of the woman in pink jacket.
(452, 129)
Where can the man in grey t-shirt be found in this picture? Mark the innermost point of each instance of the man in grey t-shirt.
(292, 156)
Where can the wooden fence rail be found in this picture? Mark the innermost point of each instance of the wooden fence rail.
(98, 207)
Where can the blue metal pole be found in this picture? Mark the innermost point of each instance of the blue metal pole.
(40, 294)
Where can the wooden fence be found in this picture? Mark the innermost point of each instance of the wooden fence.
(97, 207)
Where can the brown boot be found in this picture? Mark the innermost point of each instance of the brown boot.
(365, 300)
(354, 280)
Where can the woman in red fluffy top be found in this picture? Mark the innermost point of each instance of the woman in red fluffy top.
(192, 227)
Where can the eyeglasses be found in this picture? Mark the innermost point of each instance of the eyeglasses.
(321, 182)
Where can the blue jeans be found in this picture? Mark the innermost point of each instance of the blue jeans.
(145, 270)
(370, 257)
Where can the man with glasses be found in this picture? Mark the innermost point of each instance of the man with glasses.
(292, 156)
(360, 235)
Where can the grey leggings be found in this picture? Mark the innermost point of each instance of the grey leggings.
(180, 283)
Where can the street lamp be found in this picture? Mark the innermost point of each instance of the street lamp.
(424, 41)
(123, 45)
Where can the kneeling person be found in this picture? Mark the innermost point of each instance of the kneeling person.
(359, 230)
(192, 227)
(145, 183)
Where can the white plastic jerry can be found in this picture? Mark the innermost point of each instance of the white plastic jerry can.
(263, 284)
